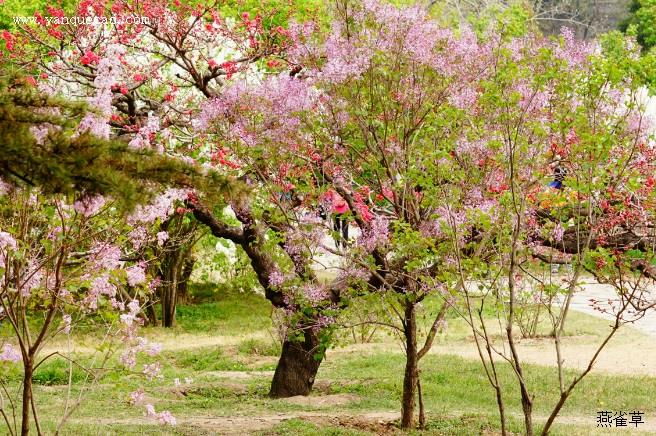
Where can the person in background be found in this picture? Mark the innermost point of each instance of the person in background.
(559, 176)
(340, 222)
(557, 183)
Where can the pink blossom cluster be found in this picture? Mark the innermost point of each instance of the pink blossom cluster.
(7, 242)
(376, 235)
(136, 274)
(107, 75)
(353, 272)
(31, 278)
(162, 237)
(446, 218)
(130, 317)
(10, 354)
(433, 286)
(40, 131)
(322, 321)
(137, 397)
(152, 370)
(138, 237)
(135, 344)
(406, 30)
(345, 58)
(163, 417)
(66, 319)
(105, 256)
(5, 187)
(278, 99)
(558, 233)
(145, 134)
(89, 204)
(314, 293)
(573, 50)
(161, 208)
(276, 278)
(100, 285)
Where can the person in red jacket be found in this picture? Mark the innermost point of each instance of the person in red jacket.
(339, 210)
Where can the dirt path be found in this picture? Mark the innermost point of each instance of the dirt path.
(374, 422)
(628, 353)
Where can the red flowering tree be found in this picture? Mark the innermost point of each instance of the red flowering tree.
(143, 67)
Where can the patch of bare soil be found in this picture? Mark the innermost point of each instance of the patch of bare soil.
(379, 423)
(321, 400)
(376, 423)
(239, 375)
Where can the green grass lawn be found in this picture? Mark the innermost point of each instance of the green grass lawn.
(231, 379)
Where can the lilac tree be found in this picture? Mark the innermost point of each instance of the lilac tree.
(61, 262)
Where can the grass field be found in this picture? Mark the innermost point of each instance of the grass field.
(228, 350)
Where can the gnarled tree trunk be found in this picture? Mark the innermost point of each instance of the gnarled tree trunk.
(297, 367)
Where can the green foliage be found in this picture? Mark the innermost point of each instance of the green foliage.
(510, 21)
(279, 12)
(26, 8)
(617, 52)
(641, 23)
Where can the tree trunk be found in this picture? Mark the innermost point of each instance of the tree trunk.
(151, 315)
(183, 288)
(168, 305)
(411, 367)
(297, 367)
(171, 267)
(27, 398)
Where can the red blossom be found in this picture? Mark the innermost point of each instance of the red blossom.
(9, 40)
(230, 68)
(192, 197)
(58, 13)
(55, 33)
(90, 57)
(40, 20)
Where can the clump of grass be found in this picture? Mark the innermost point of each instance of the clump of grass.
(205, 359)
(55, 371)
(259, 347)
(230, 312)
